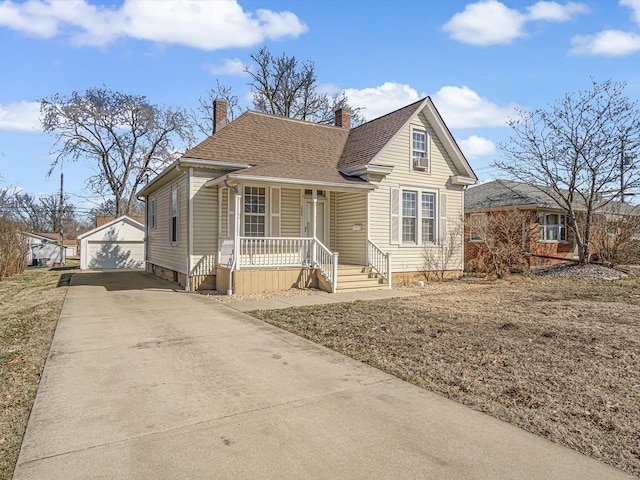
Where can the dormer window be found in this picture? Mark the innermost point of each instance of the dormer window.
(420, 149)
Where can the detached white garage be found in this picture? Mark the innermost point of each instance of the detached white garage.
(117, 244)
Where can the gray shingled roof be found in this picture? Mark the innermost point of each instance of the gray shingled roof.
(368, 139)
(286, 148)
(506, 193)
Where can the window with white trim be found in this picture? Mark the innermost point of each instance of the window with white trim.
(420, 149)
(428, 216)
(152, 213)
(173, 214)
(409, 216)
(414, 216)
(552, 227)
(255, 212)
(477, 224)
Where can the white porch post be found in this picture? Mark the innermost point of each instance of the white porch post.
(313, 223)
(334, 287)
(389, 273)
(236, 224)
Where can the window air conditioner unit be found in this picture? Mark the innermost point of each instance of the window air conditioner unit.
(421, 163)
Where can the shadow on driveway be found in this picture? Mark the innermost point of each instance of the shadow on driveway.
(122, 280)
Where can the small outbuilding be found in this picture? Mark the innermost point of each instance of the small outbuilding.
(115, 244)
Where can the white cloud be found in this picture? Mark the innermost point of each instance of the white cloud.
(462, 107)
(610, 43)
(633, 5)
(192, 23)
(475, 146)
(490, 22)
(382, 99)
(555, 12)
(232, 67)
(20, 116)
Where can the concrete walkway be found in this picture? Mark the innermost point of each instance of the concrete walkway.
(143, 382)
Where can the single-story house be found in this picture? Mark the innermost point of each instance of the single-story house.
(552, 239)
(43, 248)
(115, 244)
(269, 202)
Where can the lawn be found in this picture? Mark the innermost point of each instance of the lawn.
(558, 358)
(30, 305)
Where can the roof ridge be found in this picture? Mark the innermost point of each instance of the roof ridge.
(296, 120)
(391, 113)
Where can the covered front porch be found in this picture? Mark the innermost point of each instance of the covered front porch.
(276, 236)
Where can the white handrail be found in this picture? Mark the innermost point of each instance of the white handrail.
(327, 262)
(379, 261)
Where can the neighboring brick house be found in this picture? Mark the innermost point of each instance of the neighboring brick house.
(551, 236)
(270, 203)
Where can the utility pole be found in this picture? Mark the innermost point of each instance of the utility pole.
(62, 262)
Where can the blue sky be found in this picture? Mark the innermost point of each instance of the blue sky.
(478, 60)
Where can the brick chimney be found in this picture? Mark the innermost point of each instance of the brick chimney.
(343, 118)
(219, 114)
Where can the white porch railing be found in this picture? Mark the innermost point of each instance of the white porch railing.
(275, 252)
(379, 261)
(280, 252)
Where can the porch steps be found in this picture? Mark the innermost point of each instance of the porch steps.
(356, 277)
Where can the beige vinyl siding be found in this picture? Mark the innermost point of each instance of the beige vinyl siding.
(290, 216)
(205, 223)
(160, 249)
(398, 154)
(351, 209)
(333, 221)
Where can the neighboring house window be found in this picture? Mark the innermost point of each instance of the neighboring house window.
(553, 227)
(152, 213)
(477, 223)
(409, 216)
(173, 211)
(420, 149)
(254, 211)
(428, 216)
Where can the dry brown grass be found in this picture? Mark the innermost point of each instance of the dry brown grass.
(558, 358)
(30, 306)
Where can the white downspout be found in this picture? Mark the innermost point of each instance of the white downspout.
(464, 219)
(189, 230)
(188, 174)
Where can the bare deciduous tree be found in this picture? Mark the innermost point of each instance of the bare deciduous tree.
(501, 240)
(124, 136)
(42, 214)
(616, 235)
(572, 152)
(13, 248)
(203, 118)
(444, 255)
(283, 86)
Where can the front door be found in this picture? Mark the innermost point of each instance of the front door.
(322, 233)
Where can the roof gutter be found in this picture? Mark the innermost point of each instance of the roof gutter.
(290, 181)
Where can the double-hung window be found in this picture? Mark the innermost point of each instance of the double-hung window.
(420, 149)
(552, 227)
(254, 211)
(173, 213)
(409, 216)
(418, 217)
(152, 213)
(428, 215)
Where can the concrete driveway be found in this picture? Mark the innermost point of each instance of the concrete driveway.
(144, 382)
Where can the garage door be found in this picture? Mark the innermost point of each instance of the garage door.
(115, 255)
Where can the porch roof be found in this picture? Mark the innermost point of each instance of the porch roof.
(298, 174)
